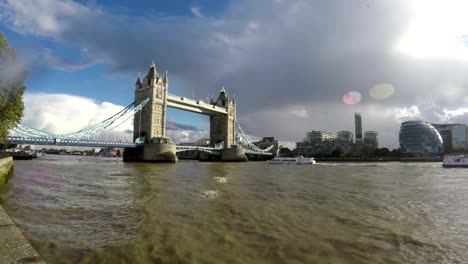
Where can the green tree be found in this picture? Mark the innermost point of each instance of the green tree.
(367, 151)
(4, 146)
(396, 153)
(11, 88)
(286, 152)
(339, 152)
(382, 152)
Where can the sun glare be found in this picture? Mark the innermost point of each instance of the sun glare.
(351, 98)
(438, 29)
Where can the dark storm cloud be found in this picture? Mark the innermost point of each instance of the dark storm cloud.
(295, 58)
(314, 50)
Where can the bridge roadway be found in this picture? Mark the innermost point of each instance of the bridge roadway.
(103, 144)
(200, 107)
(68, 142)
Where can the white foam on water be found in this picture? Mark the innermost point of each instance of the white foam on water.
(209, 194)
(221, 179)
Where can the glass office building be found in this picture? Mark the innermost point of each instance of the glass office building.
(459, 137)
(370, 138)
(358, 127)
(454, 136)
(420, 138)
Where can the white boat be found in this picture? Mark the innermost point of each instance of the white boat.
(455, 161)
(299, 160)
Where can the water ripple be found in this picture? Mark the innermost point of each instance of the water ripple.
(87, 210)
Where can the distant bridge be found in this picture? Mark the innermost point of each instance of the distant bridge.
(67, 142)
(110, 144)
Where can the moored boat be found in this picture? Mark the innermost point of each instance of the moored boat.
(455, 161)
(299, 160)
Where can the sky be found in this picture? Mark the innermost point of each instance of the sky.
(292, 65)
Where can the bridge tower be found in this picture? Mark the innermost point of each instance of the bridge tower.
(223, 129)
(222, 126)
(152, 122)
(149, 126)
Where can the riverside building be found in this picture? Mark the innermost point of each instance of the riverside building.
(420, 139)
(322, 143)
(345, 135)
(370, 138)
(318, 136)
(454, 136)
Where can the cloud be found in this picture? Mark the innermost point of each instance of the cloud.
(196, 11)
(43, 18)
(299, 111)
(436, 30)
(184, 136)
(171, 125)
(292, 60)
(408, 113)
(49, 58)
(64, 113)
(182, 133)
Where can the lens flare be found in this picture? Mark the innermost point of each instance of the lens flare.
(351, 98)
(382, 91)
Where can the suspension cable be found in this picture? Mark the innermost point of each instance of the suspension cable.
(94, 130)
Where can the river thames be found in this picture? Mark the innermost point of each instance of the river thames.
(77, 209)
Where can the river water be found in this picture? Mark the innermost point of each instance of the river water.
(95, 210)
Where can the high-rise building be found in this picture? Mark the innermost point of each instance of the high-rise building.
(345, 135)
(358, 127)
(454, 136)
(370, 138)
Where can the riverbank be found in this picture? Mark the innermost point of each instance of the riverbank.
(6, 168)
(379, 159)
(18, 155)
(15, 248)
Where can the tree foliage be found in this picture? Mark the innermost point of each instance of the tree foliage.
(5, 146)
(11, 88)
(339, 152)
(382, 152)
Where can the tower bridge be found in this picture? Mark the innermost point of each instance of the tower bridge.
(150, 127)
(150, 143)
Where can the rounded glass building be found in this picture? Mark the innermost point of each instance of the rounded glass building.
(420, 138)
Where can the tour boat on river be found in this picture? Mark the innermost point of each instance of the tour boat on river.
(299, 160)
(455, 161)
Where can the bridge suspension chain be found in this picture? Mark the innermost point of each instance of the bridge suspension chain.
(249, 144)
(94, 130)
(108, 124)
(31, 132)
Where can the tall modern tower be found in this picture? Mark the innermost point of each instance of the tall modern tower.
(358, 127)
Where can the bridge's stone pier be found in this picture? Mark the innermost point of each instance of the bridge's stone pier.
(150, 123)
(151, 152)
